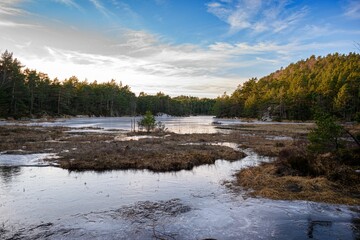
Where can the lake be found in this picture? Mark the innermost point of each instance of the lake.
(41, 201)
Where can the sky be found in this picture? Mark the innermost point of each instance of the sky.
(200, 48)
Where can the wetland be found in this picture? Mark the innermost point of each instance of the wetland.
(93, 178)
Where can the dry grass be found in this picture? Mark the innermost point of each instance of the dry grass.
(269, 128)
(295, 175)
(269, 139)
(263, 181)
(96, 151)
(152, 154)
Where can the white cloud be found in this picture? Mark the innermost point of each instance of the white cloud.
(100, 7)
(147, 75)
(256, 15)
(4, 23)
(69, 3)
(9, 14)
(8, 7)
(352, 9)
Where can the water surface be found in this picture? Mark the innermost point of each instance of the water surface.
(49, 202)
(40, 201)
(182, 125)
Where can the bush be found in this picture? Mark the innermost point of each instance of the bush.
(296, 161)
(326, 136)
(148, 121)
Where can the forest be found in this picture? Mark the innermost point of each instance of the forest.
(330, 84)
(28, 93)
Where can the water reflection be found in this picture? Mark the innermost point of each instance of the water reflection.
(8, 173)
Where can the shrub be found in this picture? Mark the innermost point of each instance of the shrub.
(148, 121)
(326, 136)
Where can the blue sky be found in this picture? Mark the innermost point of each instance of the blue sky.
(192, 47)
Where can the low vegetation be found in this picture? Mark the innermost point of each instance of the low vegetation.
(99, 151)
(322, 169)
(298, 176)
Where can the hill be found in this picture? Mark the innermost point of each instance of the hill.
(330, 83)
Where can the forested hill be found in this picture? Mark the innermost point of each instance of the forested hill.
(330, 83)
(28, 93)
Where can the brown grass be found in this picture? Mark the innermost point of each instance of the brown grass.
(263, 181)
(96, 151)
(298, 175)
(283, 128)
(152, 154)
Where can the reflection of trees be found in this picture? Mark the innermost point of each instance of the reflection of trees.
(8, 173)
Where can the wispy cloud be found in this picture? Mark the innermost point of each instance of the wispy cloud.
(352, 9)
(69, 3)
(4, 23)
(256, 15)
(142, 74)
(244, 48)
(8, 7)
(9, 13)
(101, 8)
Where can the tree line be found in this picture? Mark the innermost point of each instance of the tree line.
(330, 84)
(28, 93)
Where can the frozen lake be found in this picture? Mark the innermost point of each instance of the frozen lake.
(196, 124)
(182, 125)
(49, 202)
(40, 201)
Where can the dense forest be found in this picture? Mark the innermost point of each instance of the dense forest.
(28, 93)
(330, 84)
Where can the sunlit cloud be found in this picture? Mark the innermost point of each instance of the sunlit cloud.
(156, 76)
